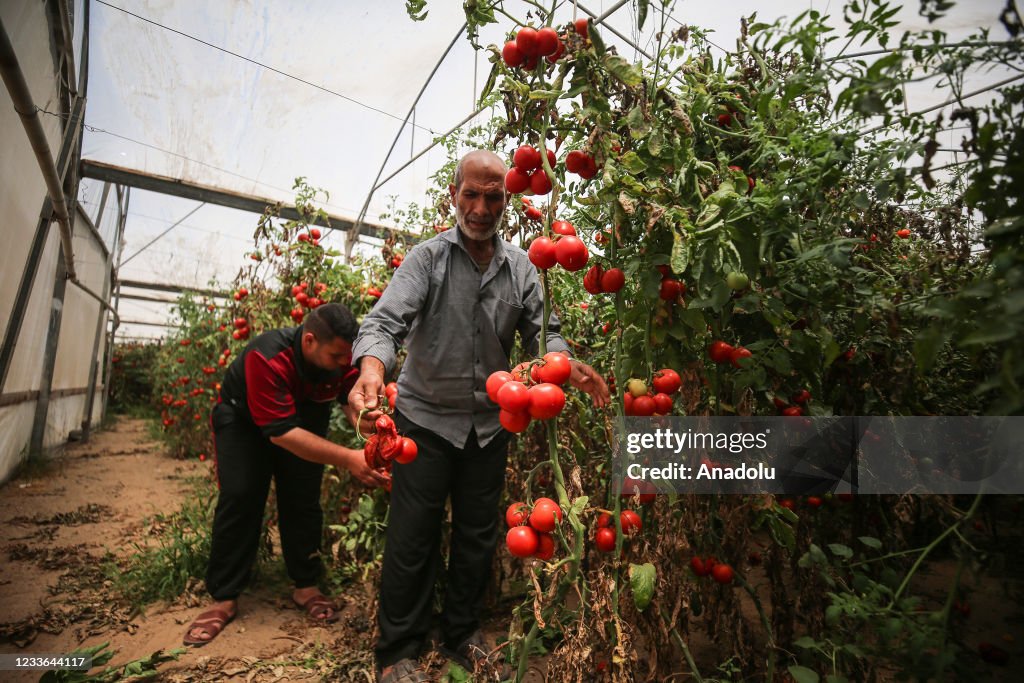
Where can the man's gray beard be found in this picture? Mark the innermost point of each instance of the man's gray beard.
(490, 234)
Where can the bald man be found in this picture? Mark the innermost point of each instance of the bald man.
(456, 302)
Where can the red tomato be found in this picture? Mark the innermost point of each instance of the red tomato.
(592, 280)
(526, 158)
(409, 451)
(571, 253)
(534, 214)
(814, 502)
(546, 515)
(512, 55)
(543, 253)
(547, 41)
(630, 522)
(314, 233)
(516, 514)
(514, 422)
(719, 351)
(604, 539)
(297, 315)
(495, 382)
(545, 547)
(526, 40)
(613, 280)
(589, 169)
(582, 27)
(724, 120)
(563, 228)
(603, 520)
(903, 234)
(644, 406)
(667, 381)
(556, 55)
(697, 565)
(240, 323)
(793, 411)
(739, 355)
(556, 369)
(539, 182)
(516, 181)
(670, 289)
(802, 396)
(662, 404)
(722, 573)
(513, 397)
(546, 401)
(521, 541)
(576, 161)
(302, 298)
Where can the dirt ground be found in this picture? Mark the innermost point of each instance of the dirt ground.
(60, 524)
(57, 527)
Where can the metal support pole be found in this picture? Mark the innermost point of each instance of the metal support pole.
(353, 234)
(60, 283)
(118, 248)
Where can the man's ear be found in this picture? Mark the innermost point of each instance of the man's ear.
(451, 190)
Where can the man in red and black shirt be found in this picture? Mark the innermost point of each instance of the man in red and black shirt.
(271, 422)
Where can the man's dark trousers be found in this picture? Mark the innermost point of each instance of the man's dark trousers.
(474, 477)
(246, 462)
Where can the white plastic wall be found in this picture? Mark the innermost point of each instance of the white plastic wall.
(22, 194)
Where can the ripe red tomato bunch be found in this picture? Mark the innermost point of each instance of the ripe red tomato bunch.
(722, 352)
(641, 401)
(601, 281)
(543, 399)
(719, 571)
(241, 330)
(530, 45)
(566, 249)
(605, 534)
(386, 446)
(527, 171)
(529, 533)
(799, 399)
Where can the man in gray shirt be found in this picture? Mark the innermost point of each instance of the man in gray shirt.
(456, 303)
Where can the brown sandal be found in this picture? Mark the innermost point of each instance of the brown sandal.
(212, 621)
(320, 609)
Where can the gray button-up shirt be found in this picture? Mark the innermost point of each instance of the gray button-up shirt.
(459, 326)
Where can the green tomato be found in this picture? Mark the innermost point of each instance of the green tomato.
(737, 280)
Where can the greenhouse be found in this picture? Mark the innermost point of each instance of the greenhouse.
(502, 340)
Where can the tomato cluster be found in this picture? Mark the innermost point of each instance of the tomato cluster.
(566, 250)
(386, 446)
(529, 533)
(719, 571)
(530, 45)
(543, 399)
(721, 352)
(641, 401)
(601, 281)
(605, 534)
(303, 299)
(527, 171)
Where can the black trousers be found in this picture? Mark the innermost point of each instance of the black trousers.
(246, 462)
(473, 477)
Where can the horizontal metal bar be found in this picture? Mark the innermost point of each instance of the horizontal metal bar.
(174, 289)
(17, 397)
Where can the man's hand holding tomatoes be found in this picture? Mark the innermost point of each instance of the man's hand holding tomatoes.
(365, 394)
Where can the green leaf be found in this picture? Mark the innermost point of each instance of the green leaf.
(655, 143)
(639, 126)
(641, 580)
(491, 78)
(416, 9)
(632, 162)
(626, 72)
(801, 674)
(641, 13)
(841, 550)
(596, 39)
(870, 541)
(1005, 226)
(805, 642)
